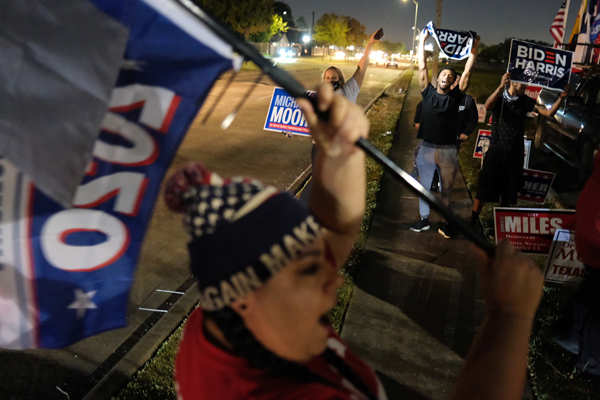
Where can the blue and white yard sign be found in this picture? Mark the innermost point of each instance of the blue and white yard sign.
(538, 65)
(285, 116)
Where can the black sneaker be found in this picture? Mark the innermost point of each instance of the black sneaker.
(421, 225)
(446, 231)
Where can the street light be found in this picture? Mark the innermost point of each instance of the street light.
(416, 3)
(306, 38)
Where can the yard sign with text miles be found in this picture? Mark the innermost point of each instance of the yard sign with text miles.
(530, 229)
(285, 116)
(66, 273)
(563, 265)
(537, 65)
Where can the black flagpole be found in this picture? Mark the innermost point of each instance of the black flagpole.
(294, 88)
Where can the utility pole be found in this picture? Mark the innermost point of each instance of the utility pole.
(312, 33)
(436, 51)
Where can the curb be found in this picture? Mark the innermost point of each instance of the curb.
(377, 97)
(145, 347)
(298, 184)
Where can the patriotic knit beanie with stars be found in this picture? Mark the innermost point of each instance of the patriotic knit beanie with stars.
(242, 232)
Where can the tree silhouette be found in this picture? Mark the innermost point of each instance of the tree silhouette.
(356, 33)
(245, 17)
(332, 29)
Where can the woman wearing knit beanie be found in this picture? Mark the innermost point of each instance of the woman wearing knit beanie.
(267, 269)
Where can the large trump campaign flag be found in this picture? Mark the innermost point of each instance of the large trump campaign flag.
(66, 273)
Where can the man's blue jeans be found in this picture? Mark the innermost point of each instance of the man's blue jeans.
(445, 159)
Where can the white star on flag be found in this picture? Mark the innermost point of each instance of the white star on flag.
(83, 302)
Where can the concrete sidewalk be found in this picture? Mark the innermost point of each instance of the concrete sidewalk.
(416, 304)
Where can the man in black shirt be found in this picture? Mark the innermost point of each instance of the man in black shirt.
(440, 126)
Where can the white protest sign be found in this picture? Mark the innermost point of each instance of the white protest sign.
(563, 265)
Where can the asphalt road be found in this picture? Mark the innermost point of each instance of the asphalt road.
(245, 148)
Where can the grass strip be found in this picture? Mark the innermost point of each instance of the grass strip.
(383, 116)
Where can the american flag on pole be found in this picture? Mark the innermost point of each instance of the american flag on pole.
(557, 28)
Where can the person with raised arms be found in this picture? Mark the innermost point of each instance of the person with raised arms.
(351, 87)
(501, 175)
(439, 128)
(268, 267)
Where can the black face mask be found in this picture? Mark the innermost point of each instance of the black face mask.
(336, 85)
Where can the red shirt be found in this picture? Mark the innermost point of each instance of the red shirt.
(587, 227)
(204, 371)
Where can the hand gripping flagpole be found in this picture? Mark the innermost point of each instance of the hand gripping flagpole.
(294, 88)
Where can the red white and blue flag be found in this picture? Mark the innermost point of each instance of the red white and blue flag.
(65, 274)
(595, 32)
(557, 28)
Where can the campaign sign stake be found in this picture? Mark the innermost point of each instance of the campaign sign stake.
(563, 266)
(543, 66)
(527, 155)
(284, 115)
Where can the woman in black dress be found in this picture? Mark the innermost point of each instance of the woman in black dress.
(500, 178)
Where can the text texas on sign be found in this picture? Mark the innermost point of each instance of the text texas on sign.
(564, 266)
(539, 65)
(455, 45)
(530, 229)
(285, 115)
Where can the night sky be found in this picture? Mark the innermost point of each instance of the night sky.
(494, 20)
